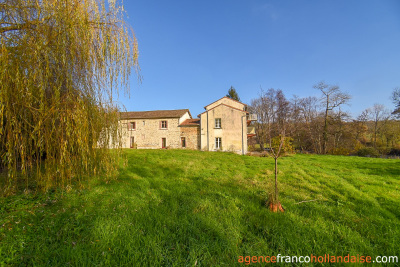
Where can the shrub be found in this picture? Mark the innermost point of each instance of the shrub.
(356, 146)
(340, 151)
(394, 152)
(287, 146)
(368, 152)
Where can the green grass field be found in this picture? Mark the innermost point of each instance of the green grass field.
(187, 208)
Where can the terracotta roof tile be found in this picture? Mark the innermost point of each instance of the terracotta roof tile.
(154, 114)
(191, 122)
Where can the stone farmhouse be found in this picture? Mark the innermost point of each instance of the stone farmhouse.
(224, 126)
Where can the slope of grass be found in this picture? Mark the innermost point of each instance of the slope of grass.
(171, 207)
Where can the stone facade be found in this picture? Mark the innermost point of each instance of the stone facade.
(148, 133)
(152, 129)
(191, 135)
(223, 126)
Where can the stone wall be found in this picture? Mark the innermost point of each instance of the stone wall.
(232, 132)
(192, 136)
(148, 133)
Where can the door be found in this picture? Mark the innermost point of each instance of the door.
(132, 142)
(183, 141)
(163, 142)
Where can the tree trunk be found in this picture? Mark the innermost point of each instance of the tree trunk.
(276, 180)
(375, 132)
(273, 203)
(325, 128)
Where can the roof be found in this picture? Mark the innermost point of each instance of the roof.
(223, 98)
(222, 104)
(190, 123)
(154, 114)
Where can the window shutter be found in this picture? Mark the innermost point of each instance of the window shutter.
(166, 124)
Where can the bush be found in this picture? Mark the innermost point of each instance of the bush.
(394, 152)
(287, 146)
(340, 151)
(368, 152)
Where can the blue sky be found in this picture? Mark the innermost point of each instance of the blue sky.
(191, 52)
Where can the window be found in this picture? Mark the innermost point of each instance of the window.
(132, 126)
(132, 142)
(218, 142)
(183, 141)
(144, 123)
(163, 125)
(164, 142)
(218, 123)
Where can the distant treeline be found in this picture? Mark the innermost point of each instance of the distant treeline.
(319, 125)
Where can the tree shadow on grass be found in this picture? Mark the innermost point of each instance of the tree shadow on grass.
(158, 213)
(386, 168)
(149, 217)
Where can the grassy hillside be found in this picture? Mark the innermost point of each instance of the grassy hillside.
(172, 207)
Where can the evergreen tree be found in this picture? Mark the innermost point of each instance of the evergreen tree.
(233, 94)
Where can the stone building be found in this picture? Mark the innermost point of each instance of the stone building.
(158, 129)
(190, 131)
(222, 126)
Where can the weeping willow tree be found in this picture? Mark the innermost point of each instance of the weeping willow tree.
(61, 64)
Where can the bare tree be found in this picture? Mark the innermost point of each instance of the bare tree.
(256, 108)
(311, 123)
(332, 98)
(295, 120)
(361, 125)
(396, 101)
(322, 125)
(379, 116)
(282, 116)
(278, 114)
(264, 107)
(274, 114)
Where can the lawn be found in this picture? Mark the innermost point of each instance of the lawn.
(187, 208)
